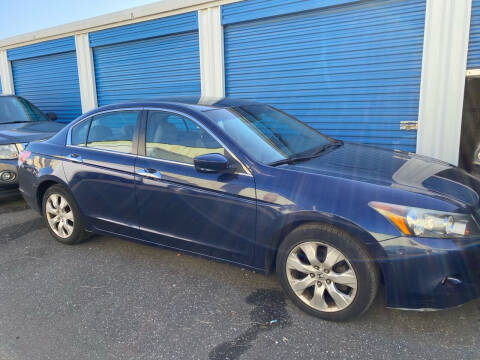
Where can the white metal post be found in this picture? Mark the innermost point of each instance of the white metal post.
(445, 50)
(86, 73)
(212, 70)
(6, 74)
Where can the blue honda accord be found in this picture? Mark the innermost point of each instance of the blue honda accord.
(245, 183)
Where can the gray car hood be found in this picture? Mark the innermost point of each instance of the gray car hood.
(28, 131)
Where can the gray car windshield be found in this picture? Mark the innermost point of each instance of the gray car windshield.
(268, 135)
(18, 110)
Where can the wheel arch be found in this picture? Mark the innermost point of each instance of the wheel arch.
(46, 183)
(296, 220)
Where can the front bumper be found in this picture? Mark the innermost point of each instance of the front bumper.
(421, 273)
(10, 187)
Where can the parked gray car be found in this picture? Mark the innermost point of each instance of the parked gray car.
(20, 123)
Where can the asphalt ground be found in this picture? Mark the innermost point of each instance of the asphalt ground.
(113, 299)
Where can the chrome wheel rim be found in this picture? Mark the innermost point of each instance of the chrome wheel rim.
(59, 215)
(321, 276)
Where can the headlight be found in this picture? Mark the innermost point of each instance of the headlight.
(412, 221)
(21, 147)
(8, 152)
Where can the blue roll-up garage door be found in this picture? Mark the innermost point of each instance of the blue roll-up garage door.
(46, 74)
(149, 59)
(349, 68)
(474, 44)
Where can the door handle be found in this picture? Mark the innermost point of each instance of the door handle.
(151, 173)
(75, 158)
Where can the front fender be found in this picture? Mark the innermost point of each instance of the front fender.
(271, 238)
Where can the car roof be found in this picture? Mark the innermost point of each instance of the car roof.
(198, 103)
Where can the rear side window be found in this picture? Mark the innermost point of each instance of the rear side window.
(79, 133)
(113, 131)
(175, 138)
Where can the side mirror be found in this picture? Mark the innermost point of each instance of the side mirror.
(51, 116)
(213, 163)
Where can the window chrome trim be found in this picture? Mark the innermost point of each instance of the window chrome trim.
(101, 150)
(69, 133)
(166, 161)
(244, 167)
(182, 163)
(69, 136)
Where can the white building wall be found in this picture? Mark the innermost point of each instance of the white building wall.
(6, 74)
(212, 71)
(86, 73)
(447, 29)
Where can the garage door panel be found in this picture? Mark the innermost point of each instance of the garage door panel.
(340, 65)
(50, 81)
(400, 57)
(43, 48)
(282, 79)
(308, 28)
(358, 62)
(172, 45)
(148, 67)
(145, 30)
(382, 34)
(474, 43)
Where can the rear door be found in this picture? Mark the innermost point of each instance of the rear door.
(207, 213)
(100, 169)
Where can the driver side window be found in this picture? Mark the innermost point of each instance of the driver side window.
(175, 138)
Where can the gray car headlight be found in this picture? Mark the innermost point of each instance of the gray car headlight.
(419, 222)
(8, 152)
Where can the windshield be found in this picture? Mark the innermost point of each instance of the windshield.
(267, 135)
(14, 110)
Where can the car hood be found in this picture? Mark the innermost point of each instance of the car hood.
(28, 131)
(397, 169)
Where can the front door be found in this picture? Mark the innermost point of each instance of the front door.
(100, 169)
(207, 213)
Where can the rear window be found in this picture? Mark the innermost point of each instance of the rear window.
(79, 133)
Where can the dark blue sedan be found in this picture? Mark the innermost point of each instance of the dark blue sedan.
(245, 183)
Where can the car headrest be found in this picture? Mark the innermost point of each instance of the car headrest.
(100, 133)
(127, 132)
(165, 133)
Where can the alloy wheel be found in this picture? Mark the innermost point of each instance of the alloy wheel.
(59, 215)
(321, 276)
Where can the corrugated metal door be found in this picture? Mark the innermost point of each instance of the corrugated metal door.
(46, 74)
(149, 59)
(474, 44)
(351, 70)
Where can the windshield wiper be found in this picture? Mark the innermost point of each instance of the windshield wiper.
(323, 148)
(303, 157)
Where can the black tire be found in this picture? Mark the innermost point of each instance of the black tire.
(354, 251)
(78, 235)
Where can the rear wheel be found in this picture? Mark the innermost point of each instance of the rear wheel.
(327, 272)
(62, 217)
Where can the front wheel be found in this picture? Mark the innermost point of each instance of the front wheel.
(62, 216)
(327, 272)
